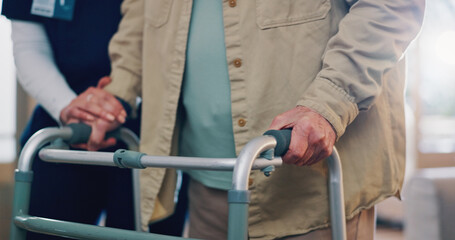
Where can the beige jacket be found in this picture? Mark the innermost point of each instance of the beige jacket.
(343, 59)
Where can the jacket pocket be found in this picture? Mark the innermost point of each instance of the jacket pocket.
(278, 13)
(157, 12)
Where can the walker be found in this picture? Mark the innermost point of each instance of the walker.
(258, 154)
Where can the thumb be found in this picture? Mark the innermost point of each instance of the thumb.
(103, 82)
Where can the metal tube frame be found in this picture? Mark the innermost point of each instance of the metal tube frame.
(105, 159)
(238, 208)
(82, 231)
(336, 196)
(238, 213)
(132, 141)
(24, 174)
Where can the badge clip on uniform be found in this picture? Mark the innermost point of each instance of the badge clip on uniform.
(59, 9)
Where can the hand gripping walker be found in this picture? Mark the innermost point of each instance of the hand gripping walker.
(272, 143)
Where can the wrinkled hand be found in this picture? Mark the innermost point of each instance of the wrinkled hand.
(312, 136)
(94, 103)
(99, 129)
(99, 109)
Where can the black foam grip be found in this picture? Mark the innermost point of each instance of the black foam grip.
(81, 133)
(283, 139)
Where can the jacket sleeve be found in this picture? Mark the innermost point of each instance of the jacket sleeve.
(125, 51)
(371, 39)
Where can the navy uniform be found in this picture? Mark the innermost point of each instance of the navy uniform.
(75, 192)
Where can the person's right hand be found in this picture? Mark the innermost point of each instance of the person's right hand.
(312, 138)
(94, 103)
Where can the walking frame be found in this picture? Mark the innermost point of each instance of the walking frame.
(258, 154)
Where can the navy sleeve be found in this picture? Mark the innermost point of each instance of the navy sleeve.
(19, 10)
(125, 105)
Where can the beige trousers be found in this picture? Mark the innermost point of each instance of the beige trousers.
(209, 214)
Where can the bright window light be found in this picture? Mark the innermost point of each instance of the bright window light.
(445, 47)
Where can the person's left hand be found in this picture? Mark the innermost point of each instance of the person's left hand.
(99, 129)
(312, 137)
(97, 139)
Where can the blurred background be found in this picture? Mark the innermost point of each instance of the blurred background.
(430, 117)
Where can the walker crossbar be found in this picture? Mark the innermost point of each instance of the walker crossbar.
(106, 159)
(82, 231)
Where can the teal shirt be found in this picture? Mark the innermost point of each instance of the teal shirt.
(207, 127)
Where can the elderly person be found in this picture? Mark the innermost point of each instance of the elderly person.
(212, 75)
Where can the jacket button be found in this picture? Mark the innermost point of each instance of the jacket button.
(238, 62)
(250, 182)
(232, 3)
(241, 122)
